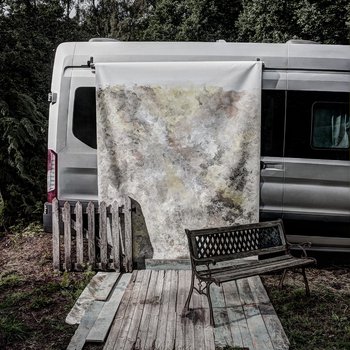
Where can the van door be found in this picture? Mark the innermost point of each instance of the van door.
(317, 166)
(272, 165)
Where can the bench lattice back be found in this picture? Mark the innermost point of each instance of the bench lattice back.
(236, 241)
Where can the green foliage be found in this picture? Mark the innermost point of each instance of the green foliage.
(193, 20)
(324, 21)
(31, 30)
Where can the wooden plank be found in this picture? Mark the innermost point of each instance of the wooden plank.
(99, 331)
(182, 292)
(78, 340)
(128, 234)
(171, 322)
(90, 210)
(258, 290)
(67, 237)
(104, 284)
(198, 320)
(258, 332)
(132, 336)
(273, 324)
(163, 314)
(189, 326)
(274, 327)
(238, 324)
(129, 313)
(222, 331)
(155, 309)
(209, 341)
(56, 235)
(146, 316)
(115, 233)
(118, 319)
(103, 235)
(168, 264)
(78, 210)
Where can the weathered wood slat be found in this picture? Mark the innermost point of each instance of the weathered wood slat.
(129, 313)
(222, 332)
(171, 321)
(198, 320)
(132, 337)
(90, 210)
(103, 235)
(164, 312)
(118, 320)
(182, 291)
(232, 302)
(78, 210)
(115, 233)
(78, 340)
(209, 341)
(128, 234)
(273, 324)
(153, 323)
(106, 282)
(56, 235)
(67, 237)
(99, 331)
(260, 337)
(146, 316)
(189, 325)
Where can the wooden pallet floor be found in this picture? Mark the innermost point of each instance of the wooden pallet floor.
(150, 315)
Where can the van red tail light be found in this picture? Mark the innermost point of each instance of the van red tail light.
(51, 175)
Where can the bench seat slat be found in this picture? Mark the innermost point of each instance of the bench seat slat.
(259, 268)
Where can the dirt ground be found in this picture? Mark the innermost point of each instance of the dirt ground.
(34, 300)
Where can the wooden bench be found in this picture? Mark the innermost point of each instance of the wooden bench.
(214, 253)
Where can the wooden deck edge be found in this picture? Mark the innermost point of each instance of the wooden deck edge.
(164, 264)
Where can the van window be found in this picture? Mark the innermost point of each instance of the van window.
(309, 125)
(84, 116)
(272, 122)
(330, 125)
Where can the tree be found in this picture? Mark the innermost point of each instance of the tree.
(278, 21)
(195, 20)
(30, 31)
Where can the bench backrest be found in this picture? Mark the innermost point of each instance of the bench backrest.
(237, 241)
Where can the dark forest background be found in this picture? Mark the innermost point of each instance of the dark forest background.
(30, 30)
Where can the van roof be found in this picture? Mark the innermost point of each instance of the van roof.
(275, 56)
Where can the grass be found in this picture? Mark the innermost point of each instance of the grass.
(321, 321)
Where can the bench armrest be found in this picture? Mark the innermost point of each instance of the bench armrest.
(204, 261)
(301, 246)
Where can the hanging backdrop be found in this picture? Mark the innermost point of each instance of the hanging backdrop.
(183, 140)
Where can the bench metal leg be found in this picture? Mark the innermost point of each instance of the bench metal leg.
(280, 285)
(187, 304)
(307, 289)
(212, 322)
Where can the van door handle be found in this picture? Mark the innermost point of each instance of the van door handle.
(271, 166)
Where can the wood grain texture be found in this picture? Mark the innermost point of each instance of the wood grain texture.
(128, 234)
(78, 211)
(103, 235)
(118, 320)
(115, 232)
(90, 210)
(67, 237)
(78, 340)
(56, 235)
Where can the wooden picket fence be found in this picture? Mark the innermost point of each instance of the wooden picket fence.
(84, 241)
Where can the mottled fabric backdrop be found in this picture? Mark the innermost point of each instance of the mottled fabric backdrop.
(183, 140)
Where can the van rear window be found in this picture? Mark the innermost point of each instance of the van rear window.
(84, 116)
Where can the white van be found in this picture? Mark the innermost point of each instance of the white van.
(305, 163)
